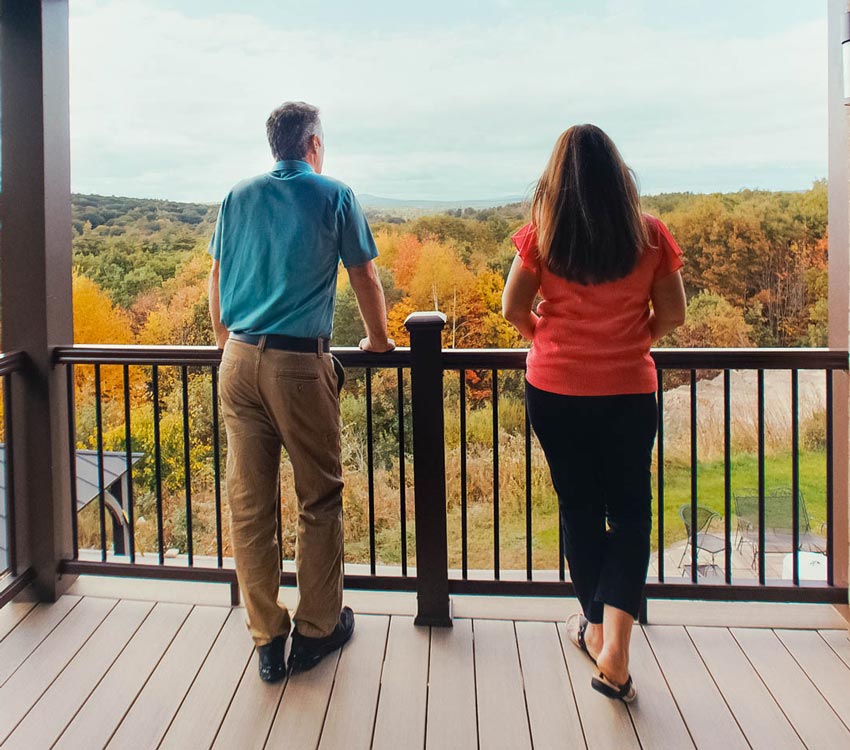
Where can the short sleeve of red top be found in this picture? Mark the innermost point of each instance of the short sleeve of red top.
(594, 340)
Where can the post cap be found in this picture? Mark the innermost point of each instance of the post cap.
(424, 320)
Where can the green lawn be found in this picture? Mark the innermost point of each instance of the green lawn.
(710, 493)
(711, 486)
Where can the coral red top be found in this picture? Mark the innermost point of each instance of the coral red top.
(594, 340)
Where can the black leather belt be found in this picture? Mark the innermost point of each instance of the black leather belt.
(285, 343)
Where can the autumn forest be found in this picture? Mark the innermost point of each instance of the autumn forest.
(755, 273)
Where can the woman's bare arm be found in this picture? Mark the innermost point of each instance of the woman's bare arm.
(520, 290)
(668, 305)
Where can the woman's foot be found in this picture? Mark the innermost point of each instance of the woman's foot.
(585, 635)
(624, 691)
(613, 664)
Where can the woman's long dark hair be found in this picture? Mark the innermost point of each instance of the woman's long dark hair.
(586, 210)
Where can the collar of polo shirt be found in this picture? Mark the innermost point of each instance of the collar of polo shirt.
(292, 165)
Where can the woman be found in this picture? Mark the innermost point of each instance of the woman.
(610, 283)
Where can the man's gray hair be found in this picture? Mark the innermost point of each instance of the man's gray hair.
(290, 128)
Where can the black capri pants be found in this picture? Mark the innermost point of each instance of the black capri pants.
(599, 450)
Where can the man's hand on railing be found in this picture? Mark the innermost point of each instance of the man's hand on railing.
(380, 347)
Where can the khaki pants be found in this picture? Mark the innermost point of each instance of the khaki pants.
(270, 398)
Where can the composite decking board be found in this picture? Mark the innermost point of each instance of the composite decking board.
(502, 715)
(762, 721)
(452, 714)
(150, 715)
(400, 718)
(839, 642)
(58, 705)
(249, 718)
(552, 712)
(772, 682)
(11, 614)
(710, 722)
(23, 689)
(830, 675)
(657, 719)
(812, 717)
(22, 641)
(301, 713)
(96, 721)
(351, 711)
(606, 723)
(200, 715)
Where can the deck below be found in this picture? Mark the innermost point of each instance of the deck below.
(96, 671)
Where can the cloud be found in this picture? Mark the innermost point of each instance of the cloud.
(172, 105)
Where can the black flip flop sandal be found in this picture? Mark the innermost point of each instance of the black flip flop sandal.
(579, 641)
(625, 692)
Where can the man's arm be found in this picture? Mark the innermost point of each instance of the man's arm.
(221, 333)
(373, 308)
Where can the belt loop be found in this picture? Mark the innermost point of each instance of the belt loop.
(319, 347)
(262, 345)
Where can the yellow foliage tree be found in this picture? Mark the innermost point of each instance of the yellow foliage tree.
(98, 321)
(180, 315)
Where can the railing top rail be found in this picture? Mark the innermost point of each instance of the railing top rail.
(503, 359)
(673, 359)
(126, 354)
(12, 361)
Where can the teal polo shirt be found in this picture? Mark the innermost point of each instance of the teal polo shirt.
(279, 239)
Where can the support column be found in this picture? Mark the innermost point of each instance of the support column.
(35, 271)
(839, 285)
(429, 468)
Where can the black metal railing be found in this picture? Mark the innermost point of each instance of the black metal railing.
(110, 387)
(504, 519)
(699, 578)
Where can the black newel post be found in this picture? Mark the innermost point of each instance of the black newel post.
(429, 468)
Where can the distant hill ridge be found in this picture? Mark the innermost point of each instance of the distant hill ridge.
(107, 210)
(376, 201)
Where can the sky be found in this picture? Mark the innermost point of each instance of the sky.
(447, 99)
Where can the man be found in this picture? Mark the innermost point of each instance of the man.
(276, 250)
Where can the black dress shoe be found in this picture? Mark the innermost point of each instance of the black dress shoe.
(272, 664)
(306, 652)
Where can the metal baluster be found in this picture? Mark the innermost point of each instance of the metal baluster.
(101, 489)
(402, 482)
(795, 475)
(496, 474)
(216, 428)
(660, 474)
(529, 562)
(72, 450)
(761, 561)
(464, 531)
(187, 466)
(128, 453)
(562, 571)
(279, 522)
(727, 474)
(157, 454)
(830, 486)
(694, 471)
(370, 469)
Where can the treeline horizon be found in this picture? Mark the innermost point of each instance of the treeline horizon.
(755, 269)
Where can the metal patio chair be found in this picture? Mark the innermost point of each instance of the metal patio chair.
(705, 541)
(778, 522)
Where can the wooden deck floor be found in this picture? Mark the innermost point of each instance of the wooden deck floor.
(91, 672)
